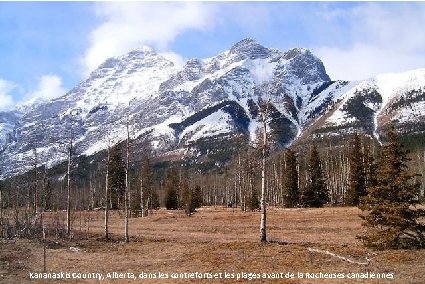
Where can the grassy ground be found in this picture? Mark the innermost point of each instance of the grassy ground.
(221, 240)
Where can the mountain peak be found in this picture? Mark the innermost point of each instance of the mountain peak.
(142, 56)
(245, 42)
(305, 65)
(141, 52)
(143, 49)
(297, 51)
(249, 48)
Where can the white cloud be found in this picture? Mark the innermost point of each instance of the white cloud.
(381, 38)
(177, 59)
(6, 100)
(393, 26)
(127, 26)
(364, 61)
(49, 87)
(355, 41)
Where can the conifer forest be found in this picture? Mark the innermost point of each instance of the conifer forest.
(112, 197)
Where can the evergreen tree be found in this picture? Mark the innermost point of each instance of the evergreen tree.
(154, 202)
(197, 197)
(47, 196)
(315, 194)
(389, 209)
(116, 176)
(254, 201)
(186, 197)
(357, 186)
(291, 193)
(370, 168)
(171, 198)
(146, 185)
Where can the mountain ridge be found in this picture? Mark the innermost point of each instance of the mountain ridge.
(218, 96)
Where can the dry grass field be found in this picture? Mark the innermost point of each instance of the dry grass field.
(211, 242)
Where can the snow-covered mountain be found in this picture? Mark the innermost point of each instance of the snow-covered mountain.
(372, 105)
(211, 99)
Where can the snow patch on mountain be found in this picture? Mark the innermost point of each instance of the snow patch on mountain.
(189, 85)
(414, 113)
(6, 130)
(261, 70)
(217, 123)
(336, 92)
(393, 85)
(164, 127)
(340, 117)
(254, 127)
(118, 81)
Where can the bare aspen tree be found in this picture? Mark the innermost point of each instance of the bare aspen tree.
(1, 204)
(28, 198)
(91, 193)
(263, 232)
(126, 193)
(243, 173)
(276, 194)
(87, 219)
(68, 194)
(44, 188)
(142, 190)
(264, 114)
(215, 191)
(44, 244)
(239, 170)
(16, 206)
(35, 181)
(142, 203)
(107, 195)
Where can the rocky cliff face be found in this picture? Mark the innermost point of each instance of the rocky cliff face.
(218, 97)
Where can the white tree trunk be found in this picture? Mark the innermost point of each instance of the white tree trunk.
(106, 196)
(44, 188)
(142, 203)
(44, 244)
(35, 181)
(126, 194)
(263, 233)
(91, 192)
(68, 195)
(240, 182)
(1, 207)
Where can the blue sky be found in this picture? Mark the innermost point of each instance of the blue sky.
(46, 48)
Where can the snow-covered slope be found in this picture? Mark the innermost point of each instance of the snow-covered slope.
(219, 96)
(374, 104)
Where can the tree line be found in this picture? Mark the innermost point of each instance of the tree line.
(358, 173)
